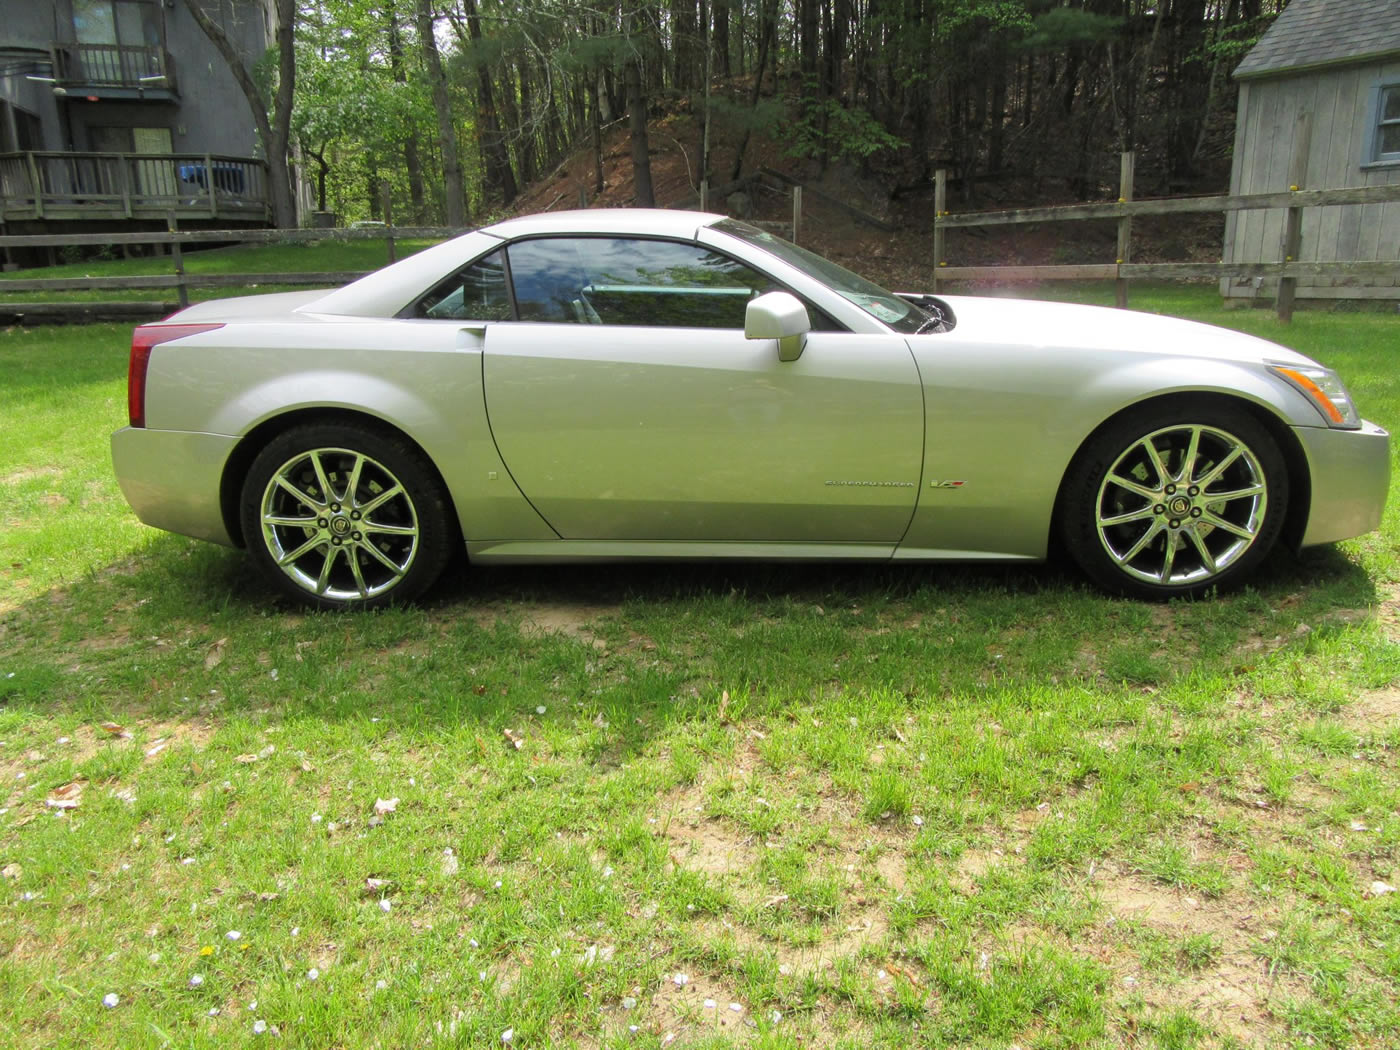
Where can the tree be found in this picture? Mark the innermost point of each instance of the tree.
(275, 133)
(454, 188)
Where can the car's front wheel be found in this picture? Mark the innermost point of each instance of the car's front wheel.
(1175, 501)
(341, 516)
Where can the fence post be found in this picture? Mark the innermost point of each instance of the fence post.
(704, 194)
(1293, 225)
(178, 256)
(940, 206)
(209, 180)
(583, 196)
(38, 186)
(796, 213)
(124, 170)
(386, 202)
(1125, 226)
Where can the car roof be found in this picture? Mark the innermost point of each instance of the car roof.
(658, 222)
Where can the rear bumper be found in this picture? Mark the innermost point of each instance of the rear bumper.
(171, 479)
(1350, 473)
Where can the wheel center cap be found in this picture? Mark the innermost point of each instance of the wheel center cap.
(1179, 505)
(340, 525)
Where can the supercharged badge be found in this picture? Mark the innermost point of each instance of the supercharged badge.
(874, 484)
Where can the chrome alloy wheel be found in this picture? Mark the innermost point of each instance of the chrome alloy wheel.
(339, 524)
(1181, 505)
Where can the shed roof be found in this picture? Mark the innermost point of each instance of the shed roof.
(1313, 33)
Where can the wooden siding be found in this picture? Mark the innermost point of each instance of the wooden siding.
(1338, 102)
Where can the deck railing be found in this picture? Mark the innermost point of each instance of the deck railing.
(113, 66)
(38, 185)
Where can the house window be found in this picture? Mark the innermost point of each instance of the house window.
(1385, 126)
(128, 23)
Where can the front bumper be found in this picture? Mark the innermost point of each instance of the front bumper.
(1350, 474)
(171, 479)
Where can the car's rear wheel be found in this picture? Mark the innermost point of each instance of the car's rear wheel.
(1175, 501)
(343, 517)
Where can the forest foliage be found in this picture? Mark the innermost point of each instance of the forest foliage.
(459, 104)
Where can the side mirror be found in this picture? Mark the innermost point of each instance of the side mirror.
(780, 316)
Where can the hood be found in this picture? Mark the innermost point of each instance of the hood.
(1071, 328)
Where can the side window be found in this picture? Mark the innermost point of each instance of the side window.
(1385, 129)
(630, 281)
(477, 293)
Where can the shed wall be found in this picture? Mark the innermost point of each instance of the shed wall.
(1339, 103)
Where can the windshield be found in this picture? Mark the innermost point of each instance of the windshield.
(884, 306)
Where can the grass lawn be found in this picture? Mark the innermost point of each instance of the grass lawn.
(693, 806)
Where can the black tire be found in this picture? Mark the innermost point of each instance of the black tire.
(323, 545)
(1158, 533)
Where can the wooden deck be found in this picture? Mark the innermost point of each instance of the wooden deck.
(72, 187)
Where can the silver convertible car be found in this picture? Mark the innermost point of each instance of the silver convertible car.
(626, 384)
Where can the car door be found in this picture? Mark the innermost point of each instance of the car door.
(627, 404)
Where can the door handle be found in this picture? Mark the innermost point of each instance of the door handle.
(472, 336)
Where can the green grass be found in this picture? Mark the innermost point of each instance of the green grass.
(891, 806)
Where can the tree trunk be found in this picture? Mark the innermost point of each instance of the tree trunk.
(597, 137)
(637, 116)
(411, 159)
(493, 145)
(767, 30)
(275, 133)
(720, 44)
(454, 188)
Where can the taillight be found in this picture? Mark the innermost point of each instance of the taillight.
(145, 337)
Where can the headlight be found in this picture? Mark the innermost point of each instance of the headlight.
(1325, 390)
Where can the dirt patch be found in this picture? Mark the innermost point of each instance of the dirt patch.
(1234, 992)
(700, 1006)
(19, 477)
(1373, 712)
(712, 847)
(567, 618)
(971, 866)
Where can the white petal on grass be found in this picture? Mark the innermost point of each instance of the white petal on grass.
(385, 805)
(710, 1004)
(110, 1000)
(508, 1035)
(385, 906)
(259, 1027)
(381, 984)
(736, 1008)
(681, 980)
(196, 980)
(312, 974)
(629, 1002)
(233, 935)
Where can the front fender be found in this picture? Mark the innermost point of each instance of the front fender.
(1007, 422)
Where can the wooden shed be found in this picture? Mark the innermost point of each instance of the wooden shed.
(1319, 107)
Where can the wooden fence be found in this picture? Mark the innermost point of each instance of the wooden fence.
(179, 279)
(1122, 270)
